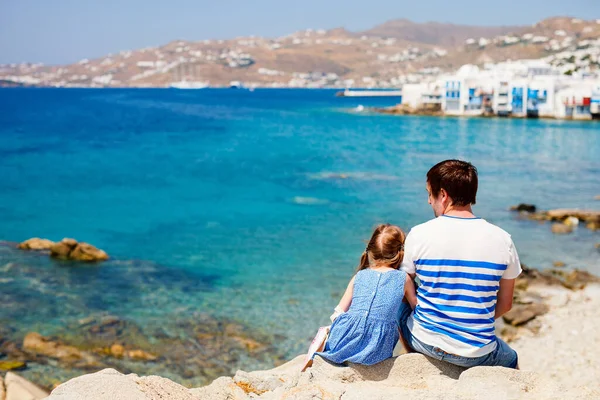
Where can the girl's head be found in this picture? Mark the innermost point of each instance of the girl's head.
(385, 249)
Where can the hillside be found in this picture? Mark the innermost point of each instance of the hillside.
(435, 33)
(388, 55)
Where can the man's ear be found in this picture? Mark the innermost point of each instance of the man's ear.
(446, 200)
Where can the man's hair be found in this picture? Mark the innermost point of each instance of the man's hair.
(457, 178)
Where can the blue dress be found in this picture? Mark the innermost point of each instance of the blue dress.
(368, 332)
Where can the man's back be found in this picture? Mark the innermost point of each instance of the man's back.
(459, 262)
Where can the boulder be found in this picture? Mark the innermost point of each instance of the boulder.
(140, 355)
(110, 384)
(36, 244)
(70, 249)
(593, 225)
(63, 248)
(18, 388)
(87, 252)
(524, 207)
(37, 344)
(2, 391)
(523, 313)
(221, 388)
(558, 264)
(582, 215)
(561, 229)
(117, 350)
(12, 365)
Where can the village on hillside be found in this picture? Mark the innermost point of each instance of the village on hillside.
(550, 69)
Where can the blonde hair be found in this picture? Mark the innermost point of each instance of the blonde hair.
(386, 248)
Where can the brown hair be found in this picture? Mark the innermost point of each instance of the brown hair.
(386, 247)
(457, 178)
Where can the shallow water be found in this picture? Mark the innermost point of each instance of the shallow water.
(251, 205)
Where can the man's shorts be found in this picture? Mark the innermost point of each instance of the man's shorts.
(503, 355)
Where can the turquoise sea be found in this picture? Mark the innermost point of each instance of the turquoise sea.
(253, 206)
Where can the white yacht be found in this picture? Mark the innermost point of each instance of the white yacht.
(189, 85)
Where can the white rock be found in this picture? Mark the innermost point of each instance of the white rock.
(223, 388)
(110, 384)
(2, 392)
(18, 388)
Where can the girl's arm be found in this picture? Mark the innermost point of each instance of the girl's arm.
(410, 292)
(347, 297)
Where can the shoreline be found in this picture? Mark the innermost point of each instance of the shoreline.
(543, 375)
(553, 346)
(401, 109)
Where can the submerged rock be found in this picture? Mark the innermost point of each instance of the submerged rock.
(18, 388)
(38, 345)
(36, 244)
(8, 365)
(561, 229)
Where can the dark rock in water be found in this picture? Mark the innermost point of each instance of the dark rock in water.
(12, 365)
(36, 244)
(523, 207)
(523, 313)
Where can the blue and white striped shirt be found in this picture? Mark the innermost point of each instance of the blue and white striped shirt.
(459, 262)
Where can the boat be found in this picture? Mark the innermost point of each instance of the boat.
(236, 85)
(369, 93)
(189, 85)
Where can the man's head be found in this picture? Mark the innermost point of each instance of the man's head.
(451, 183)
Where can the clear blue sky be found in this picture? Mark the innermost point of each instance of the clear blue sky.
(64, 31)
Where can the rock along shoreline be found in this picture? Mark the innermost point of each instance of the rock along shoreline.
(553, 326)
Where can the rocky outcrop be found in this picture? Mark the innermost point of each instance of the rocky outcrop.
(109, 384)
(36, 244)
(70, 249)
(564, 219)
(18, 388)
(411, 376)
(405, 109)
(66, 249)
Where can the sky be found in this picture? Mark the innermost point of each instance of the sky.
(65, 31)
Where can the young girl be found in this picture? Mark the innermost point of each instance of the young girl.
(366, 330)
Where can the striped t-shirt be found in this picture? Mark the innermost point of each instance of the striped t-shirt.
(459, 262)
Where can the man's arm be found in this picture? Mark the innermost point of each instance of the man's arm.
(408, 265)
(507, 283)
(505, 297)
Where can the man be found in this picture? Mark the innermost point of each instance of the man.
(466, 268)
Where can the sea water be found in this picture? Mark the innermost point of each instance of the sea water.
(251, 205)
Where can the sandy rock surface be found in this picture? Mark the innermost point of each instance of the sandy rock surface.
(558, 361)
(566, 349)
(18, 388)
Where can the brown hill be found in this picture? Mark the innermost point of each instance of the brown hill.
(388, 55)
(436, 33)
